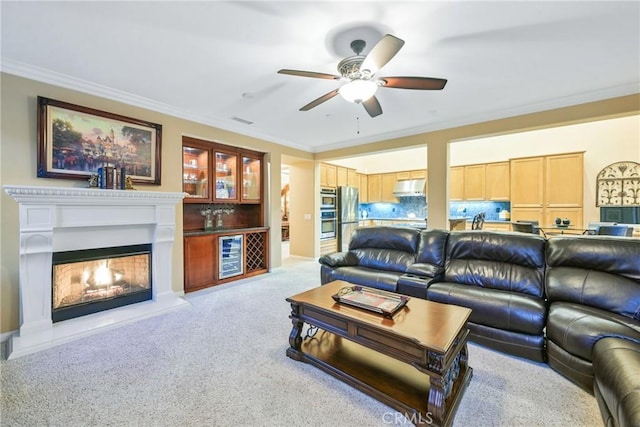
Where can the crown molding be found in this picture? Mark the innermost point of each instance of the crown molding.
(43, 75)
(531, 108)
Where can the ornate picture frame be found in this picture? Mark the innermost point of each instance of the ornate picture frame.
(74, 141)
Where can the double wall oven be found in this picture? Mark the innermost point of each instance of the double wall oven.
(328, 213)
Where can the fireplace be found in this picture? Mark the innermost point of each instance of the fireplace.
(124, 236)
(90, 281)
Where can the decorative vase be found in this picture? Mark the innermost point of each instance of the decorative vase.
(558, 221)
(566, 221)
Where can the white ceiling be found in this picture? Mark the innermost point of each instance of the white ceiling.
(213, 61)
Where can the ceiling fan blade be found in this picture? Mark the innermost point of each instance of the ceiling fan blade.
(309, 74)
(382, 53)
(372, 106)
(420, 83)
(318, 101)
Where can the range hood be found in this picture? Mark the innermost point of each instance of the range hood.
(409, 187)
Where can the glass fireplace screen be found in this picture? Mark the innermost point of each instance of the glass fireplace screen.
(93, 280)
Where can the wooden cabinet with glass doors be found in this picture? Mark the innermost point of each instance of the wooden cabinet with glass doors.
(251, 178)
(195, 173)
(218, 173)
(226, 176)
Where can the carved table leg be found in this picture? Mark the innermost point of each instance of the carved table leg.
(446, 386)
(295, 338)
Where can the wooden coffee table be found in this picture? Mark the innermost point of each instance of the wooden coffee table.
(415, 362)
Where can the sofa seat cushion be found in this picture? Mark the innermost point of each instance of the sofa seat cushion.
(518, 344)
(509, 311)
(616, 364)
(576, 328)
(379, 279)
(576, 369)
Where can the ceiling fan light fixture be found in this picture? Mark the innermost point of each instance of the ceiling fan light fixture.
(358, 90)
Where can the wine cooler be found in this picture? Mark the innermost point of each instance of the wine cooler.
(230, 250)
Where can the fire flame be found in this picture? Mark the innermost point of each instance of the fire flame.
(101, 276)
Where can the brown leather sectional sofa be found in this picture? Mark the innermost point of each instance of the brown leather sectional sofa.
(573, 302)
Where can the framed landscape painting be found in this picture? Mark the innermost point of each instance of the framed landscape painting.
(74, 141)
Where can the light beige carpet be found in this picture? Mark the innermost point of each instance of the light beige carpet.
(222, 362)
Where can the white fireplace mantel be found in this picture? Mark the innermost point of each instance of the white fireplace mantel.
(54, 219)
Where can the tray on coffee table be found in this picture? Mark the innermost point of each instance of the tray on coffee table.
(385, 303)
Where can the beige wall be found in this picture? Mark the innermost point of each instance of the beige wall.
(624, 106)
(603, 141)
(304, 224)
(18, 166)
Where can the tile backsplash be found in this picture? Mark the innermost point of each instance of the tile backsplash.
(409, 206)
(470, 209)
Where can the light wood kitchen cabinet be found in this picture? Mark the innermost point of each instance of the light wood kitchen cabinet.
(328, 175)
(573, 214)
(412, 174)
(363, 187)
(403, 175)
(418, 174)
(552, 186)
(563, 180)
(497, 181)
(328, 246)
(527, 182)
(456, 183)
(374, 183)
(388, 181)
(496, 226)
(474, 182)
(425, 175)
(341, 176)
(352, 178)
(527, 214)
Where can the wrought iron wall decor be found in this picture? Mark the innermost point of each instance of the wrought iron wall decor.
(619, 185)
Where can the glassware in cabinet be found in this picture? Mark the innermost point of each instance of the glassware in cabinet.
(251, 179)
(226, 168)
(195, 172)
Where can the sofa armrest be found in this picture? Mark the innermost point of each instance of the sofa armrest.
(339, 259)
(425, 270)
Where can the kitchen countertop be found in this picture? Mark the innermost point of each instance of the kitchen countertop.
(393, 219)
(455, 218)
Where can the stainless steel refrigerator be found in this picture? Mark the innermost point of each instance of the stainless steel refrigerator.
(347, 215)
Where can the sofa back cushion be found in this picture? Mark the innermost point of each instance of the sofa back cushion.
(601, 272)
(432, 247)
(513, 262)
(385, 248)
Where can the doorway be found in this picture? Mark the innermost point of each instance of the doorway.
(284, 211)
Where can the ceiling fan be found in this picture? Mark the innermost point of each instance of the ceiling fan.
(359, 73)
